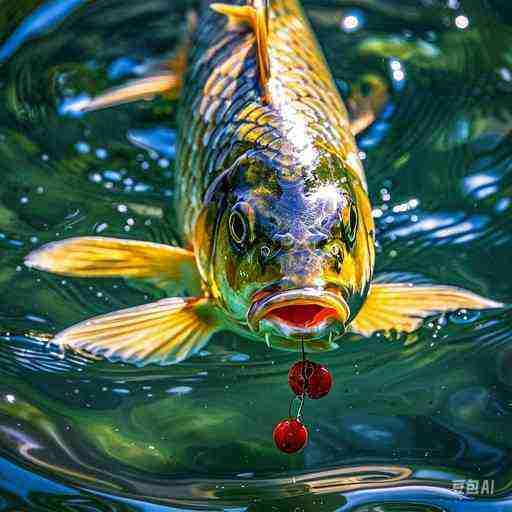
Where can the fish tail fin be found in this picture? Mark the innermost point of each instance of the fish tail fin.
(163, 332)
(162, 265)
(403, 306)
(256, 15)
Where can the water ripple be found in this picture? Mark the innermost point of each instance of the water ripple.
(408, 415)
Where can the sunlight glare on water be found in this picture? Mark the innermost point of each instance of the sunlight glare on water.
(409, 417)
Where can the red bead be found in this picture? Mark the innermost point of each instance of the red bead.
(290, 435)
(320, 382)
(297, 373)
(319, 379)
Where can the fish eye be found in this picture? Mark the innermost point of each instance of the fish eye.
(352, 227)
(238, 228)
(349, 219)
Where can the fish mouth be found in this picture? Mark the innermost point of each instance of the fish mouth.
(306, 312)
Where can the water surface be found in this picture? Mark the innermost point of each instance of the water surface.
(407, 417)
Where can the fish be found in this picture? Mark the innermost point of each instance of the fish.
(272, 207)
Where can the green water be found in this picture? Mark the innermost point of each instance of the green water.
(407, 417)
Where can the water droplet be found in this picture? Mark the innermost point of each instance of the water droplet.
(239, 358)
(121, 391)
(112, 175)
(352, 21)
(464, 316)
(462, 22)
(82, 147)
(179, 390)
(101, 153)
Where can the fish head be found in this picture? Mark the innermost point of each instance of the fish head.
(292, 255)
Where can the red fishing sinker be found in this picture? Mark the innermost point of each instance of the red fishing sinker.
(319, 379)
(290, 435)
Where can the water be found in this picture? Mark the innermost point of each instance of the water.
(410, 419)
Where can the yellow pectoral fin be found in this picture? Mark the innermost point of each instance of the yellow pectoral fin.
(257, 18)
(403, 306)
(160, 264)
(163, 332)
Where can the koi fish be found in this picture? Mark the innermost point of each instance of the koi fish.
(272, 207)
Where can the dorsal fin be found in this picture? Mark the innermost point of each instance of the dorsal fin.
(256, 15)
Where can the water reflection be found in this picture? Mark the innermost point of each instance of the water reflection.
(352, 21)
(39, 22)
(408, 414)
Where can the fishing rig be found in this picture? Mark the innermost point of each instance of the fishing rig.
(306, 379)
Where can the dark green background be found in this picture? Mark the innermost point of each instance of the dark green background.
(421, 410)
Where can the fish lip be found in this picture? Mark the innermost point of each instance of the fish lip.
(261, 307)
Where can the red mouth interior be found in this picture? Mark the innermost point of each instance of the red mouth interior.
(303, 315)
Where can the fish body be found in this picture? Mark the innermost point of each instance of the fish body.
(271, 202)
(294, 169)
(223, 116)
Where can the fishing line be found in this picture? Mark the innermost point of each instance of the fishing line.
(305, 377)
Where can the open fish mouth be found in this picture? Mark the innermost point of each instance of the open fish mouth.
(304, 312)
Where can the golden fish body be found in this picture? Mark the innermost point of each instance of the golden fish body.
(223, 116)
(293, 161)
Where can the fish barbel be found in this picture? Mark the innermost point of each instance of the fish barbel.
(271, 202)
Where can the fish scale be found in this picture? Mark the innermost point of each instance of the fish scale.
(223, 115)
